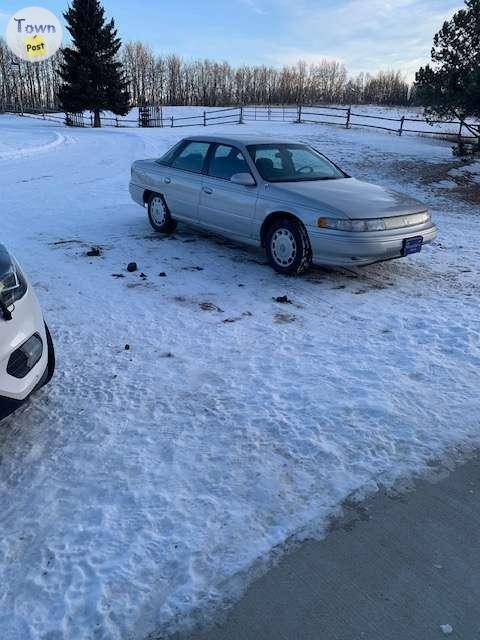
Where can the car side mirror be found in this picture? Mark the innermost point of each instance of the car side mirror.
(246, 179)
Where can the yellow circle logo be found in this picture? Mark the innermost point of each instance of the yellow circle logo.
(34, 34)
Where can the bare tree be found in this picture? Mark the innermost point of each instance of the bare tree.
(25, 84)
(170, 79)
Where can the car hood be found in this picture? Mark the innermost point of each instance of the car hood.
(347, 197)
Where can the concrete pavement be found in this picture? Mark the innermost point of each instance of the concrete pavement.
(396, 567)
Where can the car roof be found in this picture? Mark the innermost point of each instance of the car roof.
(241, 139)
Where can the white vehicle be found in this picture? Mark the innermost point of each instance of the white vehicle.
(27, 356)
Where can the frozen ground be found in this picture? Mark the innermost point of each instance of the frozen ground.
(141, 487)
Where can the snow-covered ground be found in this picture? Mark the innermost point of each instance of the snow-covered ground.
(139, 490)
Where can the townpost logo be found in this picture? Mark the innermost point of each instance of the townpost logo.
(34, 34)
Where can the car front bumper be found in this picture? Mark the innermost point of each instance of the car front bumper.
(27, 321)
(347, 248)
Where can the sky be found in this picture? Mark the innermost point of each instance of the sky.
(366, 35)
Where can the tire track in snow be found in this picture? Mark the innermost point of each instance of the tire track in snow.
(27, 152)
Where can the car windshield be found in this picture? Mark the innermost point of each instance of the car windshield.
(292, 163)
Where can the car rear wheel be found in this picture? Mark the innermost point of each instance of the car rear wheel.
(288, 247)
(159, 215)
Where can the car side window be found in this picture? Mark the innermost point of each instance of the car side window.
(268, 162)
(270, 155)
(168, 157)
(226, 161)
(192, 157)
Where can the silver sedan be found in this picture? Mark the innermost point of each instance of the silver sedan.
(281, 195)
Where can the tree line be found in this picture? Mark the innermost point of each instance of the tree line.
(173, 80)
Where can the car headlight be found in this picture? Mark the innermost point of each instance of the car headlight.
(13, 285)
(374, 224)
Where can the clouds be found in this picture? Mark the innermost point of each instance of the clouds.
(254, 6)
(368, 35)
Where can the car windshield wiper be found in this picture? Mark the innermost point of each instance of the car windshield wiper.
(6, 313)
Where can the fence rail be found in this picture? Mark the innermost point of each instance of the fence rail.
(301, 114)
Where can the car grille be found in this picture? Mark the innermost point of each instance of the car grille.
(399, 222)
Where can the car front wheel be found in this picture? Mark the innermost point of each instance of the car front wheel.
(288, 247)
(159, 215)
(51, 356)
(50, 370)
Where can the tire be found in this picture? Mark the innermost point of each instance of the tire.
(51, 358)
(159, 215)
(50, 370)
(288, 247)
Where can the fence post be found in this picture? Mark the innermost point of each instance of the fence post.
(204, 118)
(91, 119)
(116, 121)
(241, 115)
(172, 121)
(402, 121)
(460, 131)
(299, 118)
(269, 112)
(349, 113)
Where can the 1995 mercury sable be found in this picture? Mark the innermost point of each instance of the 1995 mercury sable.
(281, 195)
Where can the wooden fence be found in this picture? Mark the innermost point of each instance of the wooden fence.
(350, 118)
(347, 117)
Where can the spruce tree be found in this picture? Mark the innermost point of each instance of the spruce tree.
(93, 77)
(450, 87)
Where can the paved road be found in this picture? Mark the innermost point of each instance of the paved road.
(395, 568)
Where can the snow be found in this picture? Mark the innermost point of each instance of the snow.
(145, 487)
(447, 629)
(470, 172)
(445, 184)
(14, 145)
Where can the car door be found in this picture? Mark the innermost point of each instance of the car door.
(225, 207)
(182, 180)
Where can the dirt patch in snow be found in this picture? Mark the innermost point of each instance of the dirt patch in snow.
(441, 176)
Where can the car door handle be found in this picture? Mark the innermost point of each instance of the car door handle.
(167, 180)
(207, 190)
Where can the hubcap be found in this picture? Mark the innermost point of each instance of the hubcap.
(284, 247)
(157, 211)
